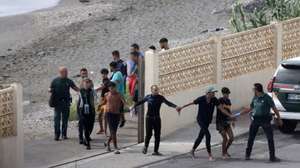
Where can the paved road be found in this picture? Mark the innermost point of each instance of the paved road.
(288, 149)
(43, 152)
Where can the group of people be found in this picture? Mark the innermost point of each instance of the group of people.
(116, 90)
(261, 116)
(122, 85)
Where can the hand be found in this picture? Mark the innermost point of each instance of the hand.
(178, 109)
(232, 117)
(233, 124)
(279, 122)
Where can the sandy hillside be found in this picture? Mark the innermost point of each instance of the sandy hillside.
(34, 45)
(77, 35)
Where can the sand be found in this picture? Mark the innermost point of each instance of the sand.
(73, 34)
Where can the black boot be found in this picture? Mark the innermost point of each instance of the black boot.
(145, 150)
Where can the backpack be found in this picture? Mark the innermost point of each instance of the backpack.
(52, 101)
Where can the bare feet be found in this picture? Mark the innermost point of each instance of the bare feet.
(100, 132)
(210, 158)
(225, 156)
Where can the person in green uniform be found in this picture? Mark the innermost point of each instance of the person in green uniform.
(261, 117)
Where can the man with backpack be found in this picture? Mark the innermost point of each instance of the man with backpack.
(61, 101)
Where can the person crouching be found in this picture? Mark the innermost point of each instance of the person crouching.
(87, 110)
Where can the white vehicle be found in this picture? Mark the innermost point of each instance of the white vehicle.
(285, 91)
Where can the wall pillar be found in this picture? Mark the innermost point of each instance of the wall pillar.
(278, 42)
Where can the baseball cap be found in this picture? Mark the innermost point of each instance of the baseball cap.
(211, 89)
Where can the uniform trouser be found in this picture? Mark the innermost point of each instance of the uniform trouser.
(61, 113)
(87, 122)
(203, 132)
(267, 127)
(80, 125)
(153, 123)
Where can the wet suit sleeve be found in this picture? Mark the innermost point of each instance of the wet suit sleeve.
(145, 99)
(170, 104)
(197, 101)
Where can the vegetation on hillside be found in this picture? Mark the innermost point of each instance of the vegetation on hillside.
(263, 13)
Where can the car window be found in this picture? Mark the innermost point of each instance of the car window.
(288, 75)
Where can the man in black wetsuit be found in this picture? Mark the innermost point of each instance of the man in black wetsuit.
(153, 121)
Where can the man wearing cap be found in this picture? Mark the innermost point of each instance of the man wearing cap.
(206, 105)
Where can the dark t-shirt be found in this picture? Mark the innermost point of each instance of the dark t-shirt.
(154, 104)
(105, 83)
(60, 87)
(205, 109)
(121, 67)
(221, 118)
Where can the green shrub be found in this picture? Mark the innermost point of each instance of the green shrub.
(272, 10)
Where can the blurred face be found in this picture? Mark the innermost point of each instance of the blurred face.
(104, 76)
(225, 95)
(112, 69)
(111, 88)
(155, 90)
(133, 49)
(63, 72)
(134, 58)
(210, 94)
(164, 45)
(115, 57)
(83, 74)
(255, 92)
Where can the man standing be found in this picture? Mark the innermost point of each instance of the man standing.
(114, 102)
(60, 88)
(86, 104)
(153, 121)
(206, 106)
(83, 75)
(136, 48)
(261, 117)
(121, 66)
(118, 79)
(164, 44)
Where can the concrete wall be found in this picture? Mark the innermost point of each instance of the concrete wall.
(241, 95)
(236, 61)
(11, 148)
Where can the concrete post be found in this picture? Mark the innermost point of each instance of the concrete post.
(218, 66)
(278, 42)
(12, 148)
(141, 89)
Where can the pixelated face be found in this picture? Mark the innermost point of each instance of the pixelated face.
(163, 45)
(155, 90)
(211, 94)
(84, 74)
(112, 88)
(87, 84)
(115, 57)
(104, 75)
(63, 72)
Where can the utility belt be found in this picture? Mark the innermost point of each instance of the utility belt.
(263, 119)
(153, 117)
